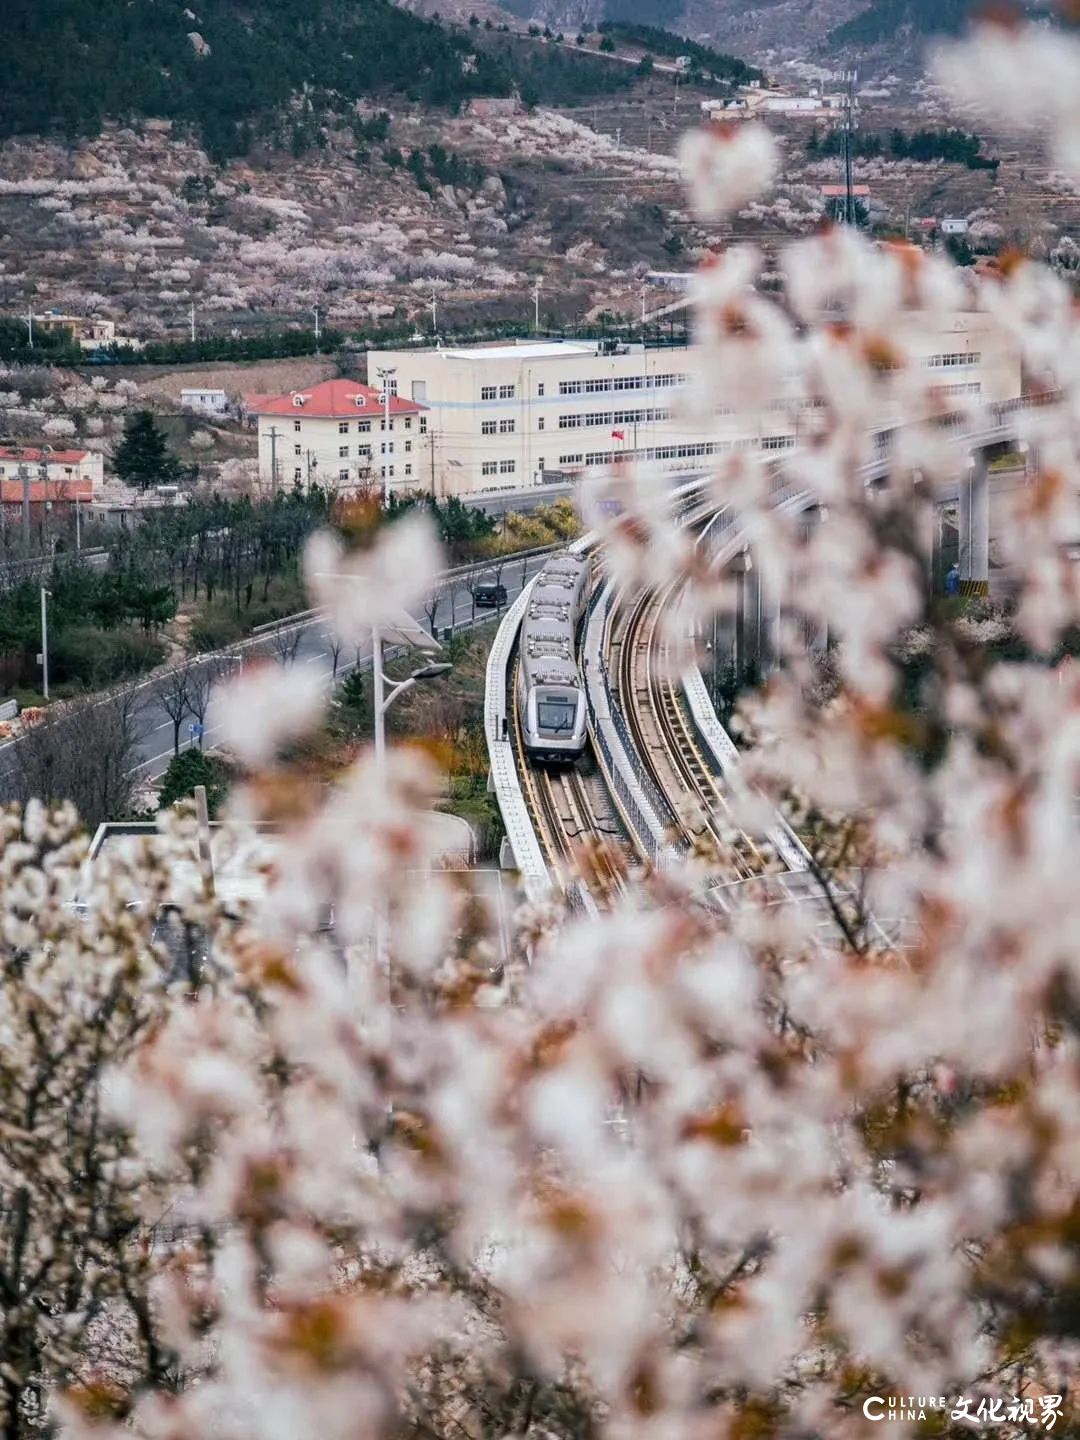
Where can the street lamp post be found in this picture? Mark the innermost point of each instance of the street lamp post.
(383, 698)
(45, 642)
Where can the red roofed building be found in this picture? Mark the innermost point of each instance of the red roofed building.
(339, 434)
(53, 474)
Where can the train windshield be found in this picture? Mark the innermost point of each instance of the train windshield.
(556, 714)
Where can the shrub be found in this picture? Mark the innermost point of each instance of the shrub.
(191, 768)
(215, 629)
(89, 656)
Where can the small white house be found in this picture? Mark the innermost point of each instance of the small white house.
(953, 226)
(205, 402)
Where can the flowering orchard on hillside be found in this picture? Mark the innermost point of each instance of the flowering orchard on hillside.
(666, 1175)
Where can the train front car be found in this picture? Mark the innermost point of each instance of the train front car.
(551, 702)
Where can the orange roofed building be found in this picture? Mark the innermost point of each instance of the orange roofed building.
(342, 435)
(53, 474)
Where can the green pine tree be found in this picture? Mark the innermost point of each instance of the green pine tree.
(191, 768)
(143, 457)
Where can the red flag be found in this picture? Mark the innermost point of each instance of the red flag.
(618, 435)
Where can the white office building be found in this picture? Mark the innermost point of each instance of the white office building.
(509, 415)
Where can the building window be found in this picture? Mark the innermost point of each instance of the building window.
(507, 392)
(540, 422)
(296, 424)
(507, 467)
(364, 452)
(540, 464)
(390, 472)
(297, 450)
(408, 446)
(488, 427)
(777, 442)
(343, 474)
(343, 452)
(408, 422)
(364, 426)
(343, 427)
(298, 474)
(408, 469)
(489, 467)
(423, 424)
(947, 362)
(506, 427)
(540, 389)
(488, 392)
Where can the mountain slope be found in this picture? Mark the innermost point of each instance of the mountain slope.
(71, 63)
(889, 21)
(827, 30)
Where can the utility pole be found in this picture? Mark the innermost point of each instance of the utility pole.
(78, 527)
(193, 322)
(848, 149)
(274, 433)
(24, 476)
(644, 292)
(431, 443)
(316, 313)
(536, 306)
(434, 312)
(44, 643)
(30, 323)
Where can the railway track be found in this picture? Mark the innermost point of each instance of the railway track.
(664, 738)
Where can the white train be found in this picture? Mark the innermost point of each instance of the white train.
(550, 696)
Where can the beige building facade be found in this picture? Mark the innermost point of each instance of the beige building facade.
(343, 436)
(507, 416)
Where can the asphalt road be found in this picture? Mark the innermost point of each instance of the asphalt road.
(314, 647)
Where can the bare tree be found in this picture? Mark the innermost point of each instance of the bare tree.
(335, 646)
(84, 751)
(431, 606)
(203, 676)
(284, 643)
(174, 693)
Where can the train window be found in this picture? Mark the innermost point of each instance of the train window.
(556, 713)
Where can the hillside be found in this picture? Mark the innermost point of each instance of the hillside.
(270, 73)
(827, 31)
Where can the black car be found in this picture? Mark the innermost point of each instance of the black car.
(489, 593)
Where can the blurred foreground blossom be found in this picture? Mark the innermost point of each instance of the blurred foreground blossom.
(725, 1159)
(372, 587)
(266, 706)
(726, 165)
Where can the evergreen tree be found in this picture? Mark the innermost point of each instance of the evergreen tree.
(143, 458)
(191, 768)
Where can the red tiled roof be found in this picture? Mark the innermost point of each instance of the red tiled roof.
(35, 457)
(332, 400)
(70, 487)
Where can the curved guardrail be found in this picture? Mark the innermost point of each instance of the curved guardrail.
(611, 739)
(503, 778)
